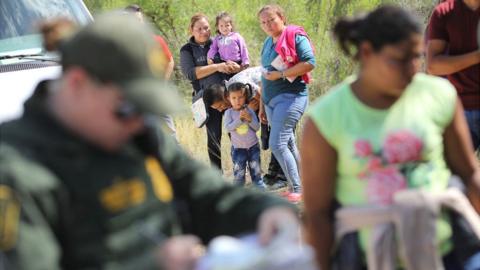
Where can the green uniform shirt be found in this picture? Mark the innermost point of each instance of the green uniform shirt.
(68, 204)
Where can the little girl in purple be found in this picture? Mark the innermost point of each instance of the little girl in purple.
(229, 44)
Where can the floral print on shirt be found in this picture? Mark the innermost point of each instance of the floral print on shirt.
(386, 170)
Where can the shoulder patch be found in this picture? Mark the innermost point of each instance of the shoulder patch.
(9, 218)
(161, 183)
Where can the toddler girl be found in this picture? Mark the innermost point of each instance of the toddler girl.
(229, 44)
(242, 124)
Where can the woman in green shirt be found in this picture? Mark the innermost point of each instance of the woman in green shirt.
(386, 129)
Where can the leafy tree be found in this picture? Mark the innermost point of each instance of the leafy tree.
(172, 17)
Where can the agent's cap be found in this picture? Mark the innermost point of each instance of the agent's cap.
(117, 48)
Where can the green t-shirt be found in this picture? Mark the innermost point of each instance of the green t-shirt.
(383, 151)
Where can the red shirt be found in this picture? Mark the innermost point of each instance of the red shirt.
(164, 47)
(455, 23)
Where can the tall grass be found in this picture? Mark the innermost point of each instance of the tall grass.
(172, 17)
(194, 141)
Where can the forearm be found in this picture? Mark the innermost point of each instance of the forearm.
(446, 64)
(298, 70)
(204, 71)
(216, 207)
(319, 181)
(460, 156)
(253, 104)
(254, 124)
(169, 69)
(320, 236)
(244, 54)
(231, 124)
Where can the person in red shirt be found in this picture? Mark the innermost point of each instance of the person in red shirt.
(168, 55)
(453, 51)
(167, 68)
(169, 63)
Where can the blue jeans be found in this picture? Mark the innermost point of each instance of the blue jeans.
(452, 263)
(473, 263)
(473, 120)
(241, 157)
(283, 113)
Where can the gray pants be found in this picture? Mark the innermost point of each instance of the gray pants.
(167, 121)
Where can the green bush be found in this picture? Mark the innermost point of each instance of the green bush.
(172, 18)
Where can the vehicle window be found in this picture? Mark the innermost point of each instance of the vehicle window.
(19, 18)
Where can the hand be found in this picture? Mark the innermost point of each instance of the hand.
(245, 115)
(473, 191)
(272, 75)
(274, 220)
(222, 67)
(210, 61)
(180, 253)
(262, 116)
(233, 67)
(446, 7)
(254, 103)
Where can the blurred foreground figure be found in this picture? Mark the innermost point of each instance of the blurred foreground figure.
(379, 151)
(168, 64)
(87, 181)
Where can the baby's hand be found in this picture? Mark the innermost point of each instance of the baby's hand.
(245, 116)
(210, 61)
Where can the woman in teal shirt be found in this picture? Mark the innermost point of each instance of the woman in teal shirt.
(386, 129)
(284, 93)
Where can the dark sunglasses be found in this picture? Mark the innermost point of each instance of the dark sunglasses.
(127, 110)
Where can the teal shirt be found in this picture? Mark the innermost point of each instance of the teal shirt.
(383, 151)
(270, 89)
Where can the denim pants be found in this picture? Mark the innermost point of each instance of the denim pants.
(283, 113)
(473, 120)
(242, 157)
(450, 262)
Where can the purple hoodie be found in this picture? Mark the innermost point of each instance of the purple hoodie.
(231, 47)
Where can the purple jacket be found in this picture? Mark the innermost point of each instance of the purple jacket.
(231, 47)
(243, 134)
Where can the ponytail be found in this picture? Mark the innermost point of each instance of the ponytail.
(385, 25)
(249, 91)
(246, 88)
(349, 31)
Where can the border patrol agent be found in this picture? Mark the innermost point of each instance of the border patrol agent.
(77, 188)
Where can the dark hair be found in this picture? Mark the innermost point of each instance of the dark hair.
(213, 93)
(246, 89)
(226, 17)
(275, 9)
(133, 8)
(237, 87)
(383, 26)
(195, 18)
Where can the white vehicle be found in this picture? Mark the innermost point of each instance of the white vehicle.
(23, 61)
